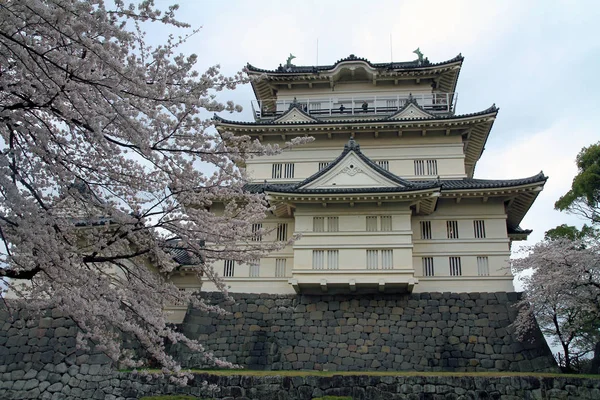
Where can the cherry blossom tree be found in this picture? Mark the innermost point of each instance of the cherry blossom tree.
(110, 168)
(561, 281)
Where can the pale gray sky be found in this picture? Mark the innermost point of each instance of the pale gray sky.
(537, 60)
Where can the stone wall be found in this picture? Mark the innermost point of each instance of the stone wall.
(417, 332)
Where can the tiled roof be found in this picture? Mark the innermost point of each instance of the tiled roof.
(407, 65)
(466, 184)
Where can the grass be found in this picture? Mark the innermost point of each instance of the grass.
(243, 372)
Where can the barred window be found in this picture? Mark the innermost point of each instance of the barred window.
(372, 259)
(333, 224)
(256, 232)
(276, 171)
(318, 224)
(318, 259)
(282, 232)
(280, 270)
(385, 164)
(426, 167)
(391, 103)
(280, 170)
(381, 223)
(425, 229)
(479, 229)
(333, 258)
(432, 167)
(387, 259)
(289, 171)
(255, 268)
(371, 224)
(419, 167)
(315, 106)
(452, 229)
(228, 267)
(331, 262)
(386, 223)
(483, 266)
(323, 164)
(455, 267)
(428, 269)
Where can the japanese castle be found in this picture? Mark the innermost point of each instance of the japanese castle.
(384, 197)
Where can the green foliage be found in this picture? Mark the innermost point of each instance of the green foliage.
(570, 232)
(584, 196)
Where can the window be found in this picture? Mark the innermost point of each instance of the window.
(315, 106)
(279, 171)
(282, 232)
(428, 269)
(255, 268)
(384, 164)
(452, 229)
(371, 224)
(333, 224)
(425, 229)
(280, 271)
(426, 167)
(479, 229)
(331, 262)
(483, 266)
(381, 223)
(391, 103)
(455, 268)
(372, 258)
(318, 224)
(323, 165)
(228, 268)
(387, 259)
(256, 232)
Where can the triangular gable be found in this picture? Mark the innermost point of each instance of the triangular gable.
(294, 114)
(411, 111)
(350, 172)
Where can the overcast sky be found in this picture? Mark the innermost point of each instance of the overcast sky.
(539, 61)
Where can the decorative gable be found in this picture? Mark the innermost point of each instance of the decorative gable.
(411, 111)
(295, 114)
(350, 172)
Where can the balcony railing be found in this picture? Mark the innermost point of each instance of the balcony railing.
(356, 105)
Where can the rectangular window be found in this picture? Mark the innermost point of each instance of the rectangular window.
(391, 103)
(371, 224)
(452, 229)
(333, 257)
(483, 266)
(323, 165)
(318, 224)
(256, 232)
(426, 167)
(333, 224)
(282, 234)
(384, 164)
(228, 268)
(432, 167)
(386, 223)
(318, 259)
(419, 167)
(425, 229)
(372, 257)
(280, 170)
(280, 271)
(387, 259)
(315, 106)
(455, 268)
(479, 229)
(276, 171)
(428, 269)
(255, 268)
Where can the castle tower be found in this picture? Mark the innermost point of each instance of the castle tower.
(384, 197)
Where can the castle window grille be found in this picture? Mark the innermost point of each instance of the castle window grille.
(386, 223)
(371, 224)
(391, 103)
(276, 171)
(255, 268)
(289, 170)
(323, 165)
(428, 269)
(385, 164)
(256, 232)
(479, 229)
(419, 167)
(318, 259)
(425, 229)
(452, 229)
(282, 232)
(333, 257)
(280, 268)
(455, 266)
(483, 266)
(387, 259)
(318, 224)
(432, 167)
(228, 268)
(333, 224)
(315, 106)
(372, 259)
